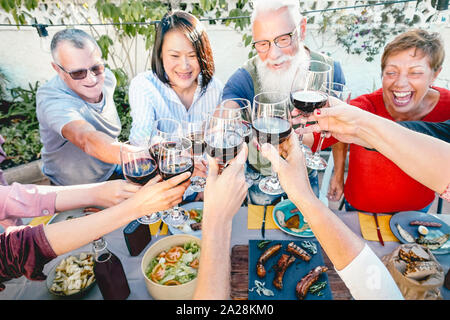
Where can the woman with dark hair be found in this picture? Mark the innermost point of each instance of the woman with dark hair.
(181, 85)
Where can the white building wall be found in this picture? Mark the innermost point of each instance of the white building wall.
(25, 57)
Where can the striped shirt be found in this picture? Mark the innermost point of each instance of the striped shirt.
(150, 100)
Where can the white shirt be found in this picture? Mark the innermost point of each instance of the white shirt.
(150, 100)
(367, 278)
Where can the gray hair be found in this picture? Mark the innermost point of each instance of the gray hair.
(293, 7)
(78, 38)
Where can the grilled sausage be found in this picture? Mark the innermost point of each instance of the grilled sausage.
(260, 270)
(299, 252)
(307, 281)
(283, 263)
(425, 223)
(196, 226)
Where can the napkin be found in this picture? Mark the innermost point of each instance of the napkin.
(154, 227)
(255, 217)
(40, 220)
(369, 228)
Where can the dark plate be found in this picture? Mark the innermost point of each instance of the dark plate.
(404, 218)
(292, 276)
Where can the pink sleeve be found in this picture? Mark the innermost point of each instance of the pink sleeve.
(446, 194)
(20, 200)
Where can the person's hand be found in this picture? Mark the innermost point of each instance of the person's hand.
(291, 170)
(225, 192)
(159, 195)
(335, 189)
(343, 121)
(113, 192)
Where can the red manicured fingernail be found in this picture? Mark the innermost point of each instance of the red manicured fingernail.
(318, 111)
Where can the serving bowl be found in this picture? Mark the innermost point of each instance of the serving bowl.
(165, 292)
(72, 292)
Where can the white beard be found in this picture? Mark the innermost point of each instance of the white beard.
(281, 80)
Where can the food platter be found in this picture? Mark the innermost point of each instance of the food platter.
(288, 210)
(404, 218)
(293, 274)
(75, 278)
(186, 229)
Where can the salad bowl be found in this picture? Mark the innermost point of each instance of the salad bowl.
(170, 272)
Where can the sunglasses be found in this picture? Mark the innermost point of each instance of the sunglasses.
(82, 73)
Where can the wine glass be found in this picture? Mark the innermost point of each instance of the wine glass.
(139, 167)
(243, 110)
(175, 157)
(271, 119)
(195, 131)
(343, 93)
(163, 129)
(307, 94)
(223, 135)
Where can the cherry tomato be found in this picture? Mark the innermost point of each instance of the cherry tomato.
(158, 273)
(174, 254)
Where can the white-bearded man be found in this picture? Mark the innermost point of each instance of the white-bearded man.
(278, 30)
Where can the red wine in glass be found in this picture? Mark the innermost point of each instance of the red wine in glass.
(306, 101)
(141, 170)
(169, 170)
(224, 147)
(271, 130)
(198, 143)
(247, 131)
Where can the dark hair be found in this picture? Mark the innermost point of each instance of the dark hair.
(426, 43)
(191, 27)
(76, 37)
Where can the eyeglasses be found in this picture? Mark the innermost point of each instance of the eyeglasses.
(82, 73)
(281, 41)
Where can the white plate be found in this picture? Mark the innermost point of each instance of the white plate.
(188, 206)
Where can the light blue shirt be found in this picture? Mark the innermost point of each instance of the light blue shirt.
(150, 100)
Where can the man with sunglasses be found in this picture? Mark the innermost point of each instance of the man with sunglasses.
(78, 119)
(278, 30)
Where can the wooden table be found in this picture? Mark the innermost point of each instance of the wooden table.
(239, 276)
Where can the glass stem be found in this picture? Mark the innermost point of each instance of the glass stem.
(302, 127)
(319, 147)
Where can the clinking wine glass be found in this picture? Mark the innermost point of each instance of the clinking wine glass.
(195, 131)
(223, 135)
(271, 119)
(175, 157)
(305, 92)
(243, 110)
(343, 93)
(139, 167)
(163, 129)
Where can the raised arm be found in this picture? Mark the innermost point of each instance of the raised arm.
(155, 196)
(95, 143)
(423, 157)
(347, 251)
(224, 195)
